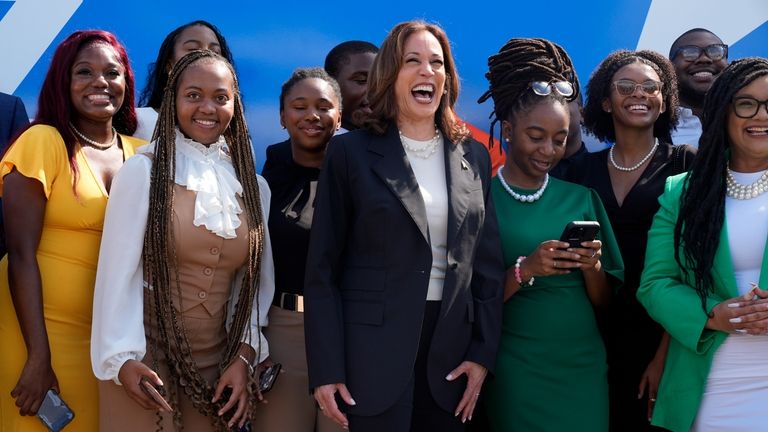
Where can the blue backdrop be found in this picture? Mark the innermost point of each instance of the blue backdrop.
(269, 41)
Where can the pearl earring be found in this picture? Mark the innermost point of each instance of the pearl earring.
(445, 91)
(506, 139)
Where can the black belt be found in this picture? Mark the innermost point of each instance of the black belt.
(288, 301)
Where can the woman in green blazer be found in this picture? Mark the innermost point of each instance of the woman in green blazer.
(705, 248)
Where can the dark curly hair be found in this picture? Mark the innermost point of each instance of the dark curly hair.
(157, 72)
(600, 123)
(518, 63)
(301, 74)
(702, 203)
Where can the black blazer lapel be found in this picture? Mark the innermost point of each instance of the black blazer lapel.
(395, 170)
(462, 181)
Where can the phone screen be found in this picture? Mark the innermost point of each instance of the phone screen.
(54, 413)
(268, 377)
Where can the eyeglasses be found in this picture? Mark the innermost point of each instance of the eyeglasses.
(692, 52)
(747, 107)
(543, 88)
(627, 87)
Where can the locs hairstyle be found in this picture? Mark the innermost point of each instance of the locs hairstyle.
(159, 254)
(301, 74)
(54, 106)
(157, 72)
(702, 204)
(600, 123)
(518, 63)
(383, 75)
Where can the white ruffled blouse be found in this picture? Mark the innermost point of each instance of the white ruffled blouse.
(117, 333)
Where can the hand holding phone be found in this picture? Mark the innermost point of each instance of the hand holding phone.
(152, 392)
(578, 232)
(54, 412)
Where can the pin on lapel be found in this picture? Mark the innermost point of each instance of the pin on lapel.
(464, 165)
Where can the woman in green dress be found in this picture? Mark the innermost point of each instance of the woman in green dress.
(551, 369)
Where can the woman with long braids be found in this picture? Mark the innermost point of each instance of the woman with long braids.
(705, 260)
(632, 103)
(56, 179)
(551, 371)
(188, 37)
(185, 272)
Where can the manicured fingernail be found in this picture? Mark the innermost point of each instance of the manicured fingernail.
(742, 331)
(569, 249)
(733, 305)
(457, 414)
(735, 320)
(353, 401)
(449, 377)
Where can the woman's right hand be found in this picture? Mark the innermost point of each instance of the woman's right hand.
(36, 379)
(550, 258)
(743, 314)
(130, 376)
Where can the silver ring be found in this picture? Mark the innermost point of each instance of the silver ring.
(321, 407)
(653, 399)
(477, 394)
(554, 264)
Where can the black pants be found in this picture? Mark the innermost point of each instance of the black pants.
(416, 410)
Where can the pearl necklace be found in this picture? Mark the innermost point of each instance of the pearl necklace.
(520, 197)
(93, 143)
(739, 191)
(426, 150)
(637, 165)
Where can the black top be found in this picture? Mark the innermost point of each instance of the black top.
(631, 336)
(290, 216)
(562, 167)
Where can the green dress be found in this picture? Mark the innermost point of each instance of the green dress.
(551, 369)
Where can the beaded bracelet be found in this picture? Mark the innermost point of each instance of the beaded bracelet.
(245, 360)
(518, 273)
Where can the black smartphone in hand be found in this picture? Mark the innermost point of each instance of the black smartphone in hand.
(54, 412)
(268, 377)
(577, 232)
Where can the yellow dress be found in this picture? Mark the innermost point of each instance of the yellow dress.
(67, 256)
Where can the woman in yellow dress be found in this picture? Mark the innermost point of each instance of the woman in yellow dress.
(55, 181)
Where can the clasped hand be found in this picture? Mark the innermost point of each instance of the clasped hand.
(747, 314)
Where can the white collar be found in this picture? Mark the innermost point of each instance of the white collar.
(208, 171)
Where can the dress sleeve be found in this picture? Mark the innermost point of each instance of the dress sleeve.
(39, 154)
(669, 300)
(117, 334)
(611, 260)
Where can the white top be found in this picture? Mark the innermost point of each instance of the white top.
(742, 356)
(688, 128)
(146, 118)
(430, 175)
(117, 334)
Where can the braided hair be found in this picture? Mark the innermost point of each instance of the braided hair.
(159, 254)
(702, 203)
(600, 123)
(518, 63)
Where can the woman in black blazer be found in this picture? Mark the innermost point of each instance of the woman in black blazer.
(404, 276)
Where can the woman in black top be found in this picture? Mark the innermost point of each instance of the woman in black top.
(632, 102)
(310, 110)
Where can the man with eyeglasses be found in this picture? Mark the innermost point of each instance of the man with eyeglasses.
(698, 56)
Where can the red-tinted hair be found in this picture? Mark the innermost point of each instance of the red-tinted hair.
(54, 106)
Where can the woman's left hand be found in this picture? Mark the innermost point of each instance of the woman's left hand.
(650, 381)
(475, 376)
(235, 377)
(590, 253)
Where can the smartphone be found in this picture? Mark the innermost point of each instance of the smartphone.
(268, 377)
(152, 392)
(54, 412)
(577, 232)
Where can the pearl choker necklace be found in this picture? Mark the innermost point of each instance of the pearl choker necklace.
(93, 143)
(637, 165)
(520, 197)
(739, 191)
(424, 151)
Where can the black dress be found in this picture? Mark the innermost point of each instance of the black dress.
(631, 336)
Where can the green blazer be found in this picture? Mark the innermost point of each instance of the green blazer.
(671, 300)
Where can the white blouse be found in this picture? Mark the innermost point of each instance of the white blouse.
(117, 333)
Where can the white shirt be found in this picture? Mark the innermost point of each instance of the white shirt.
(430, 175)
(117, 333)
(688, 128)
(146, 119)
